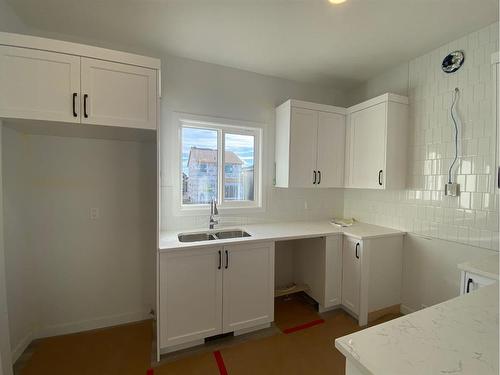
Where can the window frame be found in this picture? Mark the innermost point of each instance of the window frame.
(222, 126)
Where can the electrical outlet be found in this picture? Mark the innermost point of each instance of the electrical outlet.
(452, 189)
(94, 213)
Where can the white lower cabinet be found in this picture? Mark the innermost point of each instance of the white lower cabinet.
(372, 276)
(317, 263)
(351, 277)
(471, 282)
(209, 291)
(190, 295)
(248, 286)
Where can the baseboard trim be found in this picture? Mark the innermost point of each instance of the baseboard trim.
(87, 325)
(405, 310)
(22, 346)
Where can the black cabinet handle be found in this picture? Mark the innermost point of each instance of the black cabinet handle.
(357, 248)
(319, 178)
(498, 178)
(85, 96)
(227, 260)
(380, 177)
(469, 281)
(220, 260)
(74, 105)
(314, 182)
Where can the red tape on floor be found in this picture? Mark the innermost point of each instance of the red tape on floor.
(303, 326)
(220, 363)
(150, 371)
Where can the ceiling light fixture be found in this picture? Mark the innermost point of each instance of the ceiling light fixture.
(337, 1)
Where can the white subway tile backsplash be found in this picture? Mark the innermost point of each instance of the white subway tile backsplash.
(471, 218)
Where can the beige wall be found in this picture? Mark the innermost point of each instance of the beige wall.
(66, 272)
(206, 89)
(5, 348)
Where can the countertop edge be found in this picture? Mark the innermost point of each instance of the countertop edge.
(347, 353)
(171, 245)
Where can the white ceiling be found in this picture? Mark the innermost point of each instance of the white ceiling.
(304, 40)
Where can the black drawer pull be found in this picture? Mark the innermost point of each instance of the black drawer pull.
(74, 105)
(380, 177)
(85, 96)
(220, 260)
(357, 248)
(227, 259)
(469, 281)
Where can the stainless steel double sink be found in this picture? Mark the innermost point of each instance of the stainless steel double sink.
(211, 236)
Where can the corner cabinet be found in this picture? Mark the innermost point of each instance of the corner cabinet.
(204, 292)
(372, 276)
(65, 85)
(376, 143)
(310, 141)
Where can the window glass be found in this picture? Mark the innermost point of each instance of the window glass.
(199, 165)
(239, 167)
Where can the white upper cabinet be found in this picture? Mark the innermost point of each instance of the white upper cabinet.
(303, 142)
(331, 144)
(376, 143)
(310, 142)
(117, 94)
(44, 79)
(39, 85)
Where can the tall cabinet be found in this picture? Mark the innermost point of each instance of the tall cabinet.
(310, 142)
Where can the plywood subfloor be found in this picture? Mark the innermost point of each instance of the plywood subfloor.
(294, 310)
(126, 350)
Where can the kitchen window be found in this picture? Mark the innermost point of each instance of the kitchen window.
(219, 161)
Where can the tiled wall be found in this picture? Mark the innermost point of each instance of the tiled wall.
(423, 209)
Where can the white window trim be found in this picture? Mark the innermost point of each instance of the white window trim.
(222, 125)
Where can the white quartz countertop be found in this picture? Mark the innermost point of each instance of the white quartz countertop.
(279, 232)
(487, 267)
(459, 336)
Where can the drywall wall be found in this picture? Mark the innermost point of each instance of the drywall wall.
(394, 80)
(5, 349)
(21, 280)
(465, 225)
(65, 271)
(430, 273)
(9, 21)
(206, 89)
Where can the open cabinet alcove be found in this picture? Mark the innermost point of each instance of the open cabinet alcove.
(80, 222)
